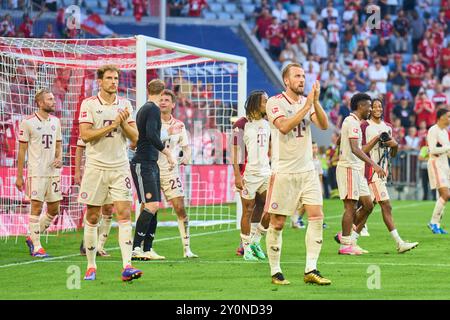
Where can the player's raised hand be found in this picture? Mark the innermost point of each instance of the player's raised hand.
(117, 121)
(310, 97)
(175, 128)
(19, 183)
(316, 88)
(379, 171)
(125, 114)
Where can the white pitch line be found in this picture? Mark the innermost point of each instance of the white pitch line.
(109, 249)
(241, 261)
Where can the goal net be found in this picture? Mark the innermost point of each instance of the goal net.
(210, 88)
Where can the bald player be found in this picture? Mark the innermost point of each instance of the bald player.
(40, 136)
(294, 181)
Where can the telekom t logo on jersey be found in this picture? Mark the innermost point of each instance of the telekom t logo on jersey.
(47, 140)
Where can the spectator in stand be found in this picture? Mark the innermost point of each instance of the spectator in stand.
(401, 30)
(287, 56)
(175, 7)
(403, 93)
(397, 129)
(196, 7)
(319, 45)
(381, 52)
(49, 34)
(328, 8)
(139, 9)
(429, 52)
(331, 66)
(373, 91)
(422, 132)
(301, 50)
(446, 83)
(418, 28)
(351, 90)
(350, 42)
(7, 28)
(301, 23)
(333, 35)
(389, 107)
(332, 84)
(334, 114)
(275, 37)
(344, 112)
(359, 76)
(386, 29)
(360, 61)
(429, 83)
(416, 72)
(405, 113)
(279, 12)
(412, 140)
(258, 10)
(424, 110)
(292, 31)
(345, 62)
(331, 97)
(445, 59)
(332, 155)
(312, 23)
(262, 25)
(61, 23)
(310, 78)
(398, 74)
(311, 61)
(26, 27)
(440, 98)
(349, 12)
(377, 73)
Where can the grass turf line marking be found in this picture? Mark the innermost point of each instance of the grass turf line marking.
(109, 249)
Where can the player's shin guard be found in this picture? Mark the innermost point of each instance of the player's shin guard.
(90, 243)
(45, 222)
(125, 241)
(183, 227)
(142, 226)
(438, 210)
(313, 241)
(103, 231)
(274, 241)
(35, 233)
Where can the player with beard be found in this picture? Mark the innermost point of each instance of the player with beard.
(40, 135)
(352, 184)
(294, 181)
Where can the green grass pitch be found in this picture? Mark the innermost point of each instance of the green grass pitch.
(219, 274)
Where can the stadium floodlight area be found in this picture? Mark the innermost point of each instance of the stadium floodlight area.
(210, 88)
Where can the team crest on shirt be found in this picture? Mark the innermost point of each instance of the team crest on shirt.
(83, 195)
(275, 109)
(355, 193)
(355, 130)
(148, 195)
(274, 205)
(34, 193)
(53, 127)
(245, 192)
(383, 194)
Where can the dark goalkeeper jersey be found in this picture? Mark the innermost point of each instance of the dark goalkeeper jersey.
(148, 121)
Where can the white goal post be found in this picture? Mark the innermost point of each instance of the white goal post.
(211, 86)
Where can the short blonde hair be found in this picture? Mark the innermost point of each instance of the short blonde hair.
(108, 67)
(40, 94)
(286, 69)
(155, 87)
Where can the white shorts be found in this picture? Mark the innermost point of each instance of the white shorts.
(351, 183)
(100, 187)
(44, 189)
(289, 191)
(378, 191)
(438, 174)
(171, 187)
(254, 184)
